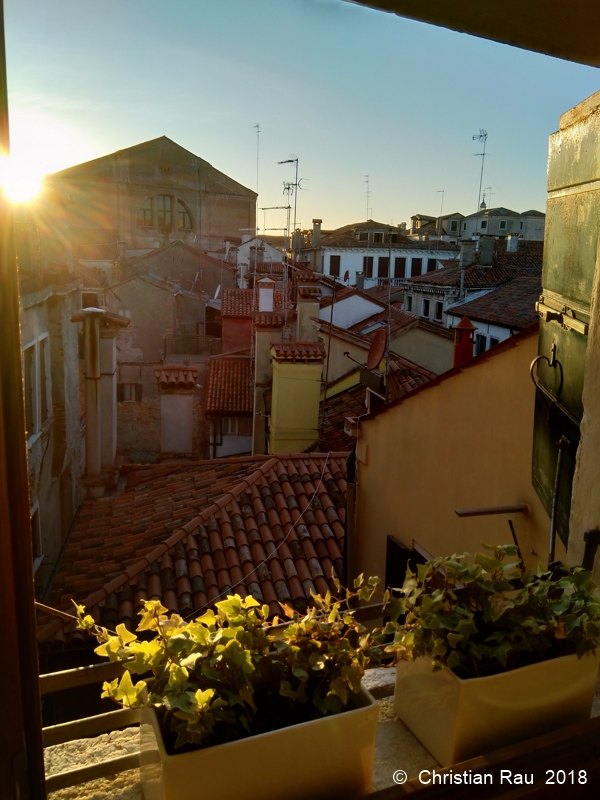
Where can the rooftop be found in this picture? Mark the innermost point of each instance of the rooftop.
(187, 535)
(511, 305)
(243, 303)
(298, 351)
(525, 262)
(230, 386)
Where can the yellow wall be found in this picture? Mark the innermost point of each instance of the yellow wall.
(430, 350)
(295, 405)
(464, 443)
(339, 365)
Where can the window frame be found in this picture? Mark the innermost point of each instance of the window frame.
(419, 263)
(453, 226)
(479, 339)
(335, 259)
(400, 261)
(439, 304)
(368, 266)
(425, 307)
(226, 426)
(409, 303)
(483, 224)
(502, 224)
(36, 417)
(381, 265)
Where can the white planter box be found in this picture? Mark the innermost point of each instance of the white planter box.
(328, 758)
(459, 719)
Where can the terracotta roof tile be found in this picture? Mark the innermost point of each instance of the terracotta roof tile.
(298, 351)
(243, 303)
(230, 386)
(237, 544)
(512, 305)
(174, 377)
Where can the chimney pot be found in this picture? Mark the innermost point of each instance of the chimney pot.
(464, 339)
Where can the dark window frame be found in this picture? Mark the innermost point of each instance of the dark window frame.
(335, 265)
(416, 267)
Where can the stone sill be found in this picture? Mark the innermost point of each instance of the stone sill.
(396, 748)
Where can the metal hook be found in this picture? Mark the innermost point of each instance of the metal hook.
(552, 362)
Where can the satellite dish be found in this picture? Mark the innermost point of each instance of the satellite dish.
(377, 349)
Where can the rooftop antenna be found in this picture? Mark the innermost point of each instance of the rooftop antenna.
(257, 128)
(488, 189)
(442, 192)
(368, 197)
(480, 137)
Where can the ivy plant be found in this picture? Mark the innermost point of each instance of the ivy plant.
(232, 672)
(487, 613)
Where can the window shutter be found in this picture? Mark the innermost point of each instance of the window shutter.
(138, 392)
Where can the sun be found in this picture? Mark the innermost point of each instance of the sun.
(20, 180)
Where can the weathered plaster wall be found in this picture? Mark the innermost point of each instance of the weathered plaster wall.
(295, 409)
(464, 443)
(428, 349)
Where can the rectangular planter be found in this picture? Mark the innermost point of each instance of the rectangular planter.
(459, 719)
(323, 759)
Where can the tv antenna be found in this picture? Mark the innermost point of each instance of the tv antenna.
(257, 128)
(480, 137)
(488, 189)
(368, 196)
(442, 192)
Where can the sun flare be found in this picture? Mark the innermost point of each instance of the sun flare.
(20, 180)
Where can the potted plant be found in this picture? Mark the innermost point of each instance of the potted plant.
(242, 707)
(491, 653)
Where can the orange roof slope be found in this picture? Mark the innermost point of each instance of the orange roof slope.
(243, 303)
(230, 386)
(276, 531)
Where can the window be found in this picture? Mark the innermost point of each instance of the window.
(453, 225)
(483, 224)
(425, 308)
(521, 225)
(378, 237)
(393, 237)
(229, 425)
(184, 220)
(368, 266)
(163, 210)
(439, 310)
(383, 267)
(409, 303)
(145, 214)
(464, 226)
(129, 392)
(44, 379)
(480, 344)
(363, 236)
(36, 384)
(494, 341)
(36, 535)
(399, 267)
(30, 390)
(416, 265)
(334, 266)
(502, 224)
(431, 264)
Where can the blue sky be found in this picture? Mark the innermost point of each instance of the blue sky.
(349, 90)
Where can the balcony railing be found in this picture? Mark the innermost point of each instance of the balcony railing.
(189, 347)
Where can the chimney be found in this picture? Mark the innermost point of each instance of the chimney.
(307, 306)
(316, 232)
(465, 259)
(267, 328)
(464, 334)
(360, 281)
(266, 288)
(512, 243)
(486, 251)
(297, 376)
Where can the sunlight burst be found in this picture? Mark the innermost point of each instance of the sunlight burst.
(20, 180)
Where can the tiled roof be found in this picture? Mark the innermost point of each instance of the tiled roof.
(398, 319)
(175, 377)
(244, 302)
(269, 268)
(274, 530)
(494, 212)
(268, 319)
(298, 351)
(230, 386)
(526, 261)
(309, 292)
(512, 305)
(406, 376)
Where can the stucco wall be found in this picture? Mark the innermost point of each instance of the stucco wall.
(428, 349)
(464, 443)
(295, 408)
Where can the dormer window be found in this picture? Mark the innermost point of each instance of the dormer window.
(363, 236)
(502, 224)
(378, 237)
(453, 225)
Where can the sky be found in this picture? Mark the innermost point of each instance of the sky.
(347, 90)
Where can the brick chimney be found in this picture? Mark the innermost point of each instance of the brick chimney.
(307, 306)
(316, 232)
(464, 339)
(267, 328)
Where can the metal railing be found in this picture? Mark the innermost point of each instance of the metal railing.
(188, 345)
